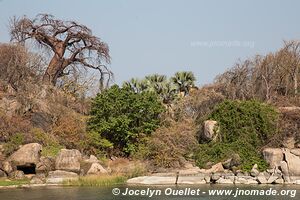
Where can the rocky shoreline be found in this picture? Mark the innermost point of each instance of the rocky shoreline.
(284, 169)
(70, 164)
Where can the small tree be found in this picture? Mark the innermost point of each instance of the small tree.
(71, 44)
(123, 117)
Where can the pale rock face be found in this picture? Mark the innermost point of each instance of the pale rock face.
(96, 169)
(152, 180)
(248, 180)
(190, 180)
(293, 163)
(262, 179)
(296, 152)
(224, 181)
(93, 159)
(45, 165)
(285, 171)
(215, 168)
(59, 176)
(68, 160)
(211, 130)
(279, 181)
(273, 156)
(254, 171)
(26, 155)
(272, 178)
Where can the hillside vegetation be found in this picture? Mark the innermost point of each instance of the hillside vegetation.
(157, 118)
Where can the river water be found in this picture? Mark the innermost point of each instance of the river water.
(204, 192)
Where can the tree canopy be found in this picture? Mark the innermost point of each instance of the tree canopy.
(123, 117)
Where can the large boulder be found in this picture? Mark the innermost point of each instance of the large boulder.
(27, 155)
(215, 168)
(45, 165)
(285, 171)
(91, 165)
(263, 177)
(96, 169)
(68, 160)
(273, 156)
(254, 171)
(211, 130)
(293, 163)
(60, 176)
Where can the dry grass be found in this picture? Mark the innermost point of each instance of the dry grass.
(100, 180)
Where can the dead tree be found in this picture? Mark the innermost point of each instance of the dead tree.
(71, 44)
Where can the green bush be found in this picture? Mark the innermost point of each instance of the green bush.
(13, 144)
(123, 117)
(93, 144)
(245, 127)
(51, 145)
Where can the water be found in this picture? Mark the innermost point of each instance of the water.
(105, 193)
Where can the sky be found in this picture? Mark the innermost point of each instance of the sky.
(166, 36)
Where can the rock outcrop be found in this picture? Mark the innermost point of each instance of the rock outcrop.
(211, 130)
(285, 162)
(60, 176)
(45, 165)
(273, 156)
(293, 164)
(68, 160)
(29, 154)
(96, 169)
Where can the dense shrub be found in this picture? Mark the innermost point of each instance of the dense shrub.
(245, 127)
(170, 146)
(123, 117)
(70, 129)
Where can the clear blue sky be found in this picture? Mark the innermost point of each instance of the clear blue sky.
(165, 36)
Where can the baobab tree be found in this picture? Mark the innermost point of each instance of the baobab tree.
(71, 44)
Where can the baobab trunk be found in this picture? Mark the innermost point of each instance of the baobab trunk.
(54, 69)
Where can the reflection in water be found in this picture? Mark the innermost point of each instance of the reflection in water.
(105, 193)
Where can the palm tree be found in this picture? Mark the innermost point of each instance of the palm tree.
(184, 81)
(136, 85)
(168, 94)
(156, 82)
